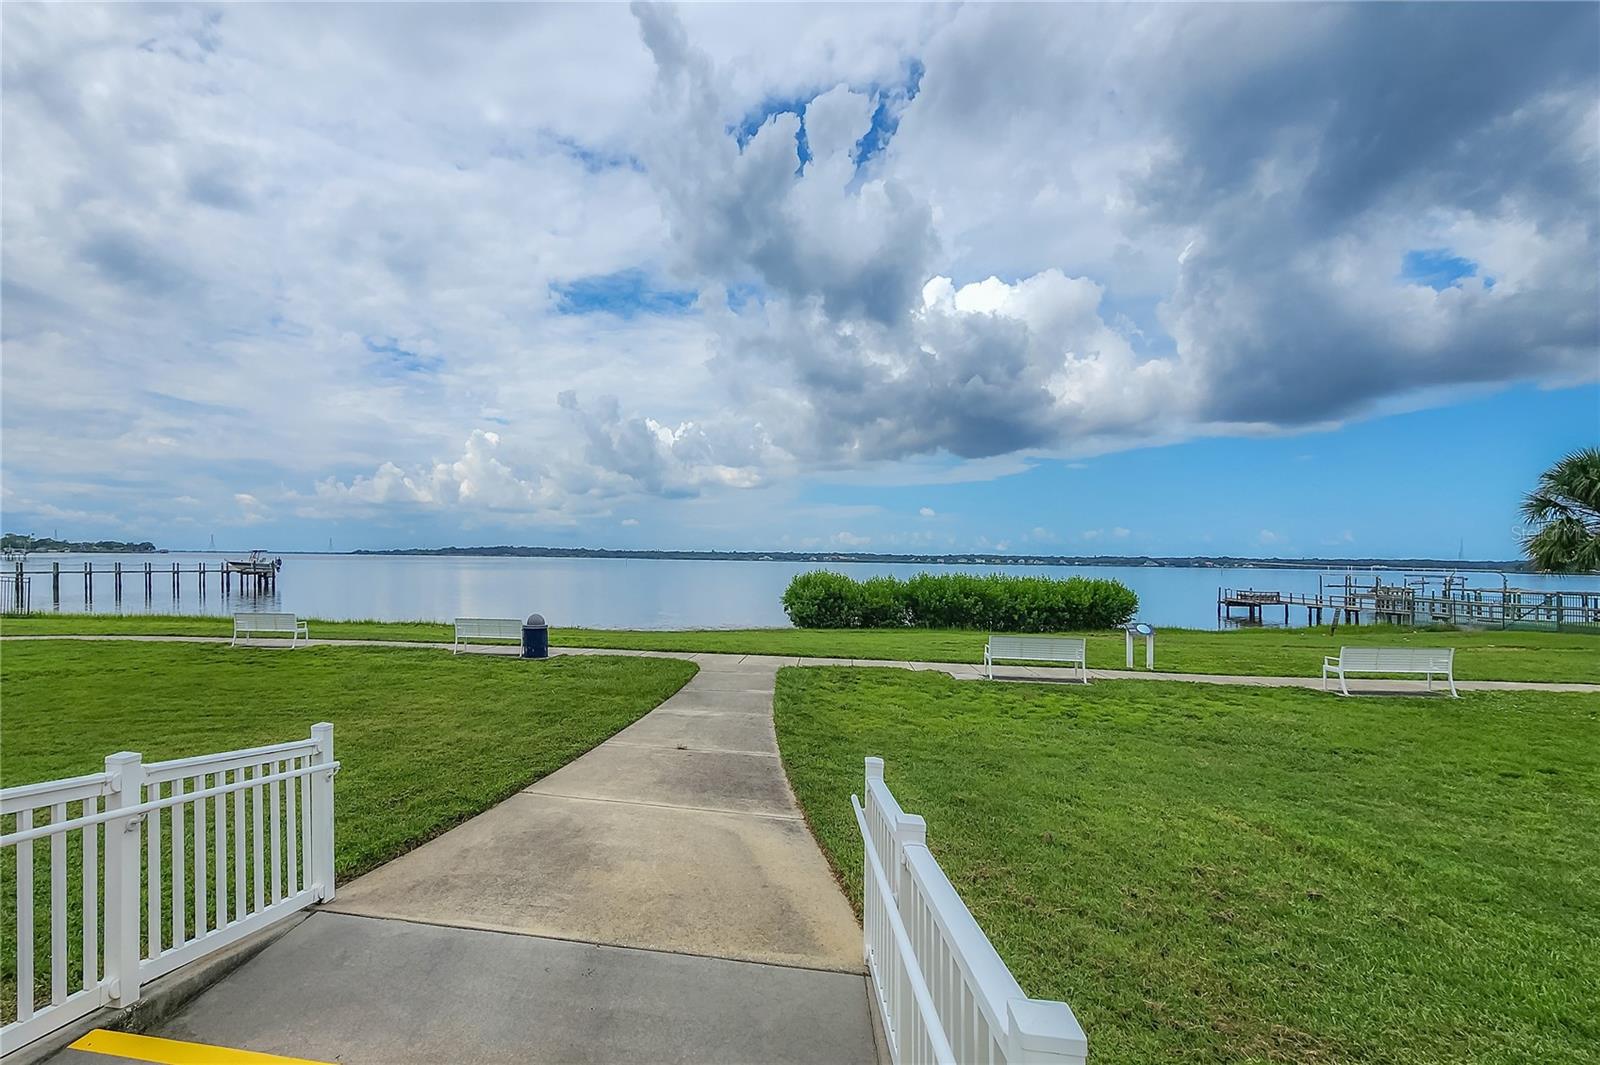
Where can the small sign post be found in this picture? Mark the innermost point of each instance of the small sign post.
(1149, 633)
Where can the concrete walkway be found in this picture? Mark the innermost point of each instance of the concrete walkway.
(357, 991)
(659, 899)
(958, 670)
(678, 834)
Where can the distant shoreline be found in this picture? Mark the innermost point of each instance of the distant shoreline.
(961, 559)
(45, 545)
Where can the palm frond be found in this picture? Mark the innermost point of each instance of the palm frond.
(1563, 515)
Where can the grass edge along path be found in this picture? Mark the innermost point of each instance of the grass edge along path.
(427, 740)
(1230, 874)
(1516, 655)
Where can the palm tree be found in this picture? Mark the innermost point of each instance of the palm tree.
(1563, 515)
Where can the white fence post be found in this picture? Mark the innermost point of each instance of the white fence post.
(1044, 1033)
(322, 813)
(868, 928)
(126, 770)
(908, 829)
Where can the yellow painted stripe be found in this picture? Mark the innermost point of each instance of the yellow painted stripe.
(174, 1052)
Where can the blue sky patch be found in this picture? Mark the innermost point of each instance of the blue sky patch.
(753, 120)
(891, 100)
(1438, 268)
(626, 294)
(757, 117)
(886, 116)
(592, 159)
(743, 293)
(399, 360)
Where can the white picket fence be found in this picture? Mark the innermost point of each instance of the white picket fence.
(943, 994)
(150, 823)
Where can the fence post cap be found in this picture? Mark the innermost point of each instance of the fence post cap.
(911, 828)
(874, 768)
(124, 758)
(1040, 1027)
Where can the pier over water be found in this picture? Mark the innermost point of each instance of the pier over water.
(1418, 599)
(255, 577)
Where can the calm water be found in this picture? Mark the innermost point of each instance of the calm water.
(604, 593)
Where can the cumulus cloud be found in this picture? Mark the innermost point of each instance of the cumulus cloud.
(668, 460)
(478, 478)
(851, 251)
(1282, 301)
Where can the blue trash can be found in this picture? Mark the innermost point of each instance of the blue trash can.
(535, 637)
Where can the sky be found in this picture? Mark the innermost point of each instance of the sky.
(1281, 281)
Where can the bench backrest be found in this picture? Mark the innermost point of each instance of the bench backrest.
(1040, 648)
(1397, 659)
(506, 628)
(265, 622)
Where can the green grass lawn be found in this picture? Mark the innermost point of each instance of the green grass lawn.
(1222, 874)
(426, 739)
(1525, 656)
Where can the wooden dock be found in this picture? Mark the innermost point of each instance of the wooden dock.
(249, 580)
(1418, 599)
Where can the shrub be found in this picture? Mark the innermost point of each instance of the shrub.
(994, 602)
(881, 603)
(822, 600)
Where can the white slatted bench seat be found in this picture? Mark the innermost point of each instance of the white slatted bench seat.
(245, 624)
(485, 629)
(1062, 649)
(1429, 661)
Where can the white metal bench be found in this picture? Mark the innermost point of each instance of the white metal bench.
(245, 624)
(1062, 649)
(485, 629)
(1429, 661)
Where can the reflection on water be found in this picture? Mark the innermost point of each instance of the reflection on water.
(598, 593)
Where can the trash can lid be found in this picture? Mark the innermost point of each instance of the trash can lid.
(535, 621)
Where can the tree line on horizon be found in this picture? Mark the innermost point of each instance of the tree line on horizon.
(24, 543)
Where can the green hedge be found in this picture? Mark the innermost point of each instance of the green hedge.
(994, 602)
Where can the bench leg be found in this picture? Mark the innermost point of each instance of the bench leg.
(988, 665)
(1343, 687)
(1451, 677)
